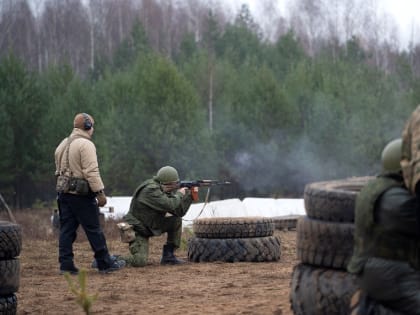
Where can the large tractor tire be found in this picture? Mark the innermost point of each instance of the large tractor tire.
(333, 200)
(230, 227)
(10, 240)
(9, 276)
(320, 291)
(323, 243)
(10, 248)
(254, 249)
(286, 222)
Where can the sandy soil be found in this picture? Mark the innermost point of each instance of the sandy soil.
(193, 288)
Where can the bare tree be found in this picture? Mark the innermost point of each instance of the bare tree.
(65, 34)
(110, 24)
(274, 24)
(6, 22)
(151, 15)
(308, 21)
(17, 31)
(414, 52)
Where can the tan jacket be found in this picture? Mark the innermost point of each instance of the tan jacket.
(410, 160)
(83, 162)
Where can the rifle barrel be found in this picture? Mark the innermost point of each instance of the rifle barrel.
(202, 182)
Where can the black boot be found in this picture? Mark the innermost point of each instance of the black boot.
(168, 257)
(113, 258)
(68, 267)
(109, 264)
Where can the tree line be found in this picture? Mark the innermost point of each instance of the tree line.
(219, 101)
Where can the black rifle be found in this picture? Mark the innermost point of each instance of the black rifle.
(201, 182)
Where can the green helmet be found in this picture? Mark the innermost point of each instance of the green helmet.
(167, 174)
(391, 156)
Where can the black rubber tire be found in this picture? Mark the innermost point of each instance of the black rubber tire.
(8, 304)
(255, 249)
(233, 227)
(10, 240)
(320, 291)
(333, 200)
(323, 243)
(287, 222)
(9, 276)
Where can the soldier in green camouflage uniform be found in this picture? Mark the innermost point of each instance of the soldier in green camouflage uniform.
(386, 245)
(150, 204)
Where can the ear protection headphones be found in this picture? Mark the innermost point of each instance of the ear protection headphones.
(87, 124)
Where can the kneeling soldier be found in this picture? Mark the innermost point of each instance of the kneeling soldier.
(150, 204)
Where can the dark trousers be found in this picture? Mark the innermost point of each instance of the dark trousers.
(78, 210)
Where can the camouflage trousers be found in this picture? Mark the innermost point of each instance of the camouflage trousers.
(139, 248)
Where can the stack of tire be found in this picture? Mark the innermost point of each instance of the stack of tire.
(324, 244)
(10, 247)
(234, 239)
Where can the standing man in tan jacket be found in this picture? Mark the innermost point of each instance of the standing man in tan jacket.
(80, 194)
(410, 160)
(410, 157)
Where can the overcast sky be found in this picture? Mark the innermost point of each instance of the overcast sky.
(406, 13)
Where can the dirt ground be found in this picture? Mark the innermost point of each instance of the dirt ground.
(193, 288)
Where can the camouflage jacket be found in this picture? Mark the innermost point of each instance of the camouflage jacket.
(410, 150)
(385, 223)
(150, 204)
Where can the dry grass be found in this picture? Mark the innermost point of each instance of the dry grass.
(36, 225)
(193, 288)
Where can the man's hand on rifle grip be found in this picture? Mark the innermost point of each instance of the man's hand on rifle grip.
(194, 193)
